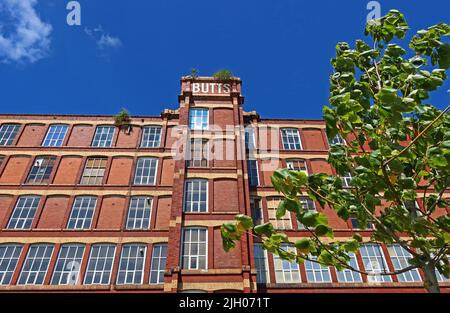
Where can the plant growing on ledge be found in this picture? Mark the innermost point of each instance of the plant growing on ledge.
(223, 74)
(122, 120)
(194, 73)
(376, 100)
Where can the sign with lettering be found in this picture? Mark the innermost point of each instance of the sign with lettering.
(214, 88)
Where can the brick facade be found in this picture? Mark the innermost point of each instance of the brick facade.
(228, 193)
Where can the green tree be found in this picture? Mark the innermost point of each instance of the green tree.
(397, 149)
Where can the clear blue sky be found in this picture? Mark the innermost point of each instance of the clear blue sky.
(280, 49)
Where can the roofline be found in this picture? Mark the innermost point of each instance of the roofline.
(74, 115)
(292, 119)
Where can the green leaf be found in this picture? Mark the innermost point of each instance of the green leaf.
(245, 221)
(264, 229)
(303, 244)
(444, 55)
(323, 230)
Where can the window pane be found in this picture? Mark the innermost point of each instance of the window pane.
(99, 268)
(262, 267)
(55, 136)
(36, 265)
(253, 178)
(82, 212)
(399, 258)
(103, 136)
(41, 170)
(194, 255)
(67, 268)
(286, 272)
(24, 212)
(139, 213)
(195, 196)
(291, 139)
(349, 276)
(158, 266)
(198, 119)
(151, 137)
(8, 133)
(374, 261)
(145, 173)
(94, 171)
(131, 268)
(197, 153)
(285, 221)
(9, 255)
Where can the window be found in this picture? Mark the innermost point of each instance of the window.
(346, 180)
(55, 136)
(100, 264)
(257, 214)
(67, 268)
(297, 165)
(94, 171)
(36, 265)
(349, 276)
(131, 268)
(139, 213)
(315, 272)
(103, 136)
(151, 137)
(196, 196)
(413, 207)
(9, 255)
(145, 173)
(250, 138)
(82, 212)
(285, 271)
(24, 212)
(308, 205)
(336, 140)
(197, 154)
(158, 266)
(355, 225)
(262, 266)
(374, 261)
(284, 222)
(41, 170)
(253, 178)
(7, 134)
(441, 277)
(399, 258)
(291, 139)
(194, 255)
(198, 119)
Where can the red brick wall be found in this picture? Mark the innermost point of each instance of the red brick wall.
(312, 139)
(320, 166)
(32, 136)
(15, 170)
(162, 212)
(223, 117)
(53, 213)
(120, 172)
(81, 135)
(111, 213)
(128, 140)
(225, 195)
(68, 170)
(266, 170)
(167, 172)
(5, 203)
(222, 259)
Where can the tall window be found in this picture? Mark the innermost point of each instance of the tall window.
(262, 266)
(374, 261)
(291, 139)
(8, 133)
(196, 195)
(285, 271)
(282, 223)
(145, 173)
(82, 212)
(67, 268)
(158, 266)
(24, 212)
(55, 136)
(250, 138)
(307, 205)
(195, 243)
(41, 170)
(197, 154)
(198, 119)
(297, 165)
(139, 213)
(346, 180)
(257, 214)
(132, 259)
(253, 178)
(94, 171)
(399, 258)
(100, 264)
(315, 272)
(36, 264)
(103, 136)
(9, 255)
(336, 140)
(349, 276)
(151, 137)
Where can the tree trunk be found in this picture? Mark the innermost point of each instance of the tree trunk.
(431, 283)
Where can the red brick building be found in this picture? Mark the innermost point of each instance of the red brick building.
(86, 206)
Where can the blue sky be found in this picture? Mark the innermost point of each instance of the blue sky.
(132, 53)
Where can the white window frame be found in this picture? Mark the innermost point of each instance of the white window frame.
(369, 261)
(67, 266)
(55, 136)
(39, 172)
(139, 178)
(105, 139)
(288, 139)
(94, 175)
(346, 180)
(343, 276)
(139, 222)
(260, 257)
(317, 270)
(158, 263)
(83, 204)
(399, 258)
(133, 272)
(250, 173)
(26, 271)
(8, 264)
(336, 140)
(278, 223)
(249, 138)
(293, 266)
(191, 157)
(188, 206)
(289, 165)
(147, 132)
(24, 212)
(8, 133)
(188, 255)
(196, 121)
(103, 270)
